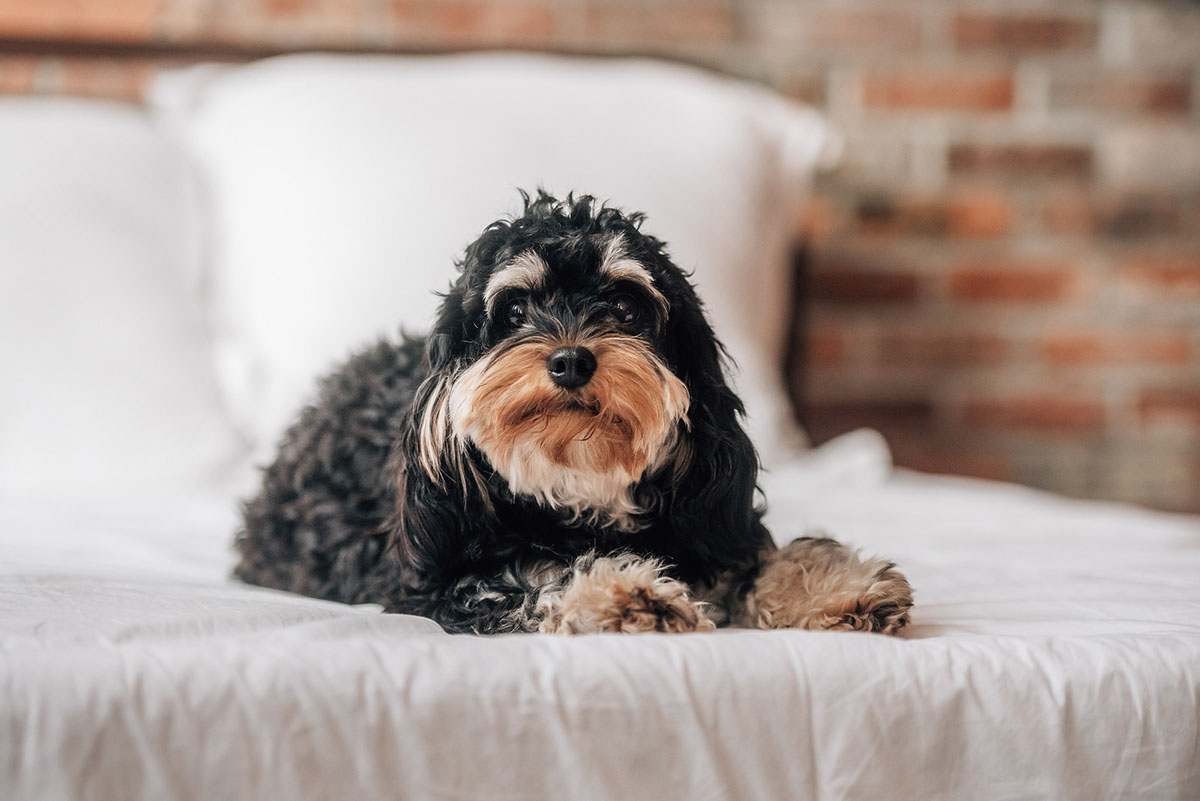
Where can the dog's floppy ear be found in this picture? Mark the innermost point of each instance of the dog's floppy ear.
(429, 528)
(443, 502)
(443, 512)
(712, 504)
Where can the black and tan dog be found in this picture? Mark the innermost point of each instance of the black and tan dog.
(562, 453)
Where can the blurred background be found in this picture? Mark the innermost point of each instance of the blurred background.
(1003, 275)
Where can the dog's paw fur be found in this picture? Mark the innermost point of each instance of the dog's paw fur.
(822, 584)
(621, 594)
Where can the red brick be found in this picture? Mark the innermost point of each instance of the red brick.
(112, 80)
(1045, 413)
(1175, 274)
(1172, 406)
(978, 216)
(16, 74)
(938, 90)
(1121, 94)
(1131, 349)
(1128, 217)
(941, 350)
(817, 220)
(824, 347)
(659, 24)
(808, 88)
(854, 286)
(462, 22)
(1028, 160)
(1020, 282)
(852, 27)
(827, 418)
(287, 8)
(949, 458)
(961, 215)
(1022, 32)
(122, 20)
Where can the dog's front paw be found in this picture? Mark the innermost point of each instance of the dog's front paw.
(621, 594)
(821, 584)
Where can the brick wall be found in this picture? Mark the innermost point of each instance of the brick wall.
(1004, 275)
(1006, 270)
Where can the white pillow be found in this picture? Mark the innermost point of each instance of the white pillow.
(343, 188)
(106, 386)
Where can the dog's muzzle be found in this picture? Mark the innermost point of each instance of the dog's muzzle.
(572, 367)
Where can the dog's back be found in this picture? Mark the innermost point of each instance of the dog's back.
(318, 525)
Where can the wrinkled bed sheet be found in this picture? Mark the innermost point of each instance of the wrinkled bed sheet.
(1054, 653)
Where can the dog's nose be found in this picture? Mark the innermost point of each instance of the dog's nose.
(571, 367)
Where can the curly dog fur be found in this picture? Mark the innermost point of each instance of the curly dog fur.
(562, 453)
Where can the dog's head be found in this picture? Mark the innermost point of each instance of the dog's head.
(573, 356)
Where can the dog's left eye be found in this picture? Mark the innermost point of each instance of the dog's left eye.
(625, 309)
(514, 313)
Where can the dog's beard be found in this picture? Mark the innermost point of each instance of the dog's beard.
(579, 451)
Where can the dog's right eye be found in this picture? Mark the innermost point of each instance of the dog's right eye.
(514, 313)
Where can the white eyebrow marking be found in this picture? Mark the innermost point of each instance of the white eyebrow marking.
(618, 266)
(526, 271)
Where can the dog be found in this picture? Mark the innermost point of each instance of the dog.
(562, 453)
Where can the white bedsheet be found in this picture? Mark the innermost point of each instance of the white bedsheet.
(1054, 653)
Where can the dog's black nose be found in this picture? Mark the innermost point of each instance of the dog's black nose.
(571, 367)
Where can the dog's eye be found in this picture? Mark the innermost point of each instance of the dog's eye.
(514, 313)
(625, 310)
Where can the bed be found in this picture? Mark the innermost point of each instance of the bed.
(150, 360)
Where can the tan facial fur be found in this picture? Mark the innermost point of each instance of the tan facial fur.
(578, 451)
